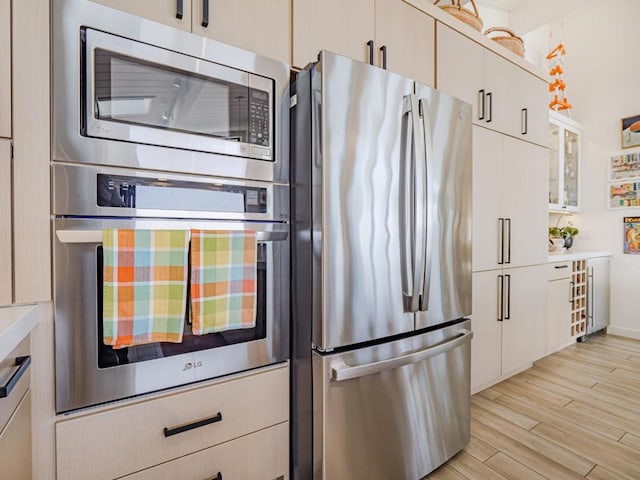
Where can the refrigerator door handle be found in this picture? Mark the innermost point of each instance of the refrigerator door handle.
(427, 245)
(407, 205)
(341, 371)
(419, 213)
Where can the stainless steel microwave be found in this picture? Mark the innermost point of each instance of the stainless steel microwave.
(129, 92)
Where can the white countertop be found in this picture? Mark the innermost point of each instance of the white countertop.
(568, 255)
(16, 322)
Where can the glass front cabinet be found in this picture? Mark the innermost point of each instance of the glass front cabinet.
(564, 164)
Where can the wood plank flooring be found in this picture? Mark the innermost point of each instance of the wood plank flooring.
(573, 415)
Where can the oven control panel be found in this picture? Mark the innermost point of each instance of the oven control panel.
(162, 194)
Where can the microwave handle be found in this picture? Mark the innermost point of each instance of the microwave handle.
(95, 236)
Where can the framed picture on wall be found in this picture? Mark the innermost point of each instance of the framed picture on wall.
(624, 194)
(624, 166)
(631, 131)
(631, 236)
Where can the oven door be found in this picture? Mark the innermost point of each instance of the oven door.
(89, 373)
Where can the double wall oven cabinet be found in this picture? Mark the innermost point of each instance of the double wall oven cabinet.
(263, 27)
(24, 154)
(389, 34)
(564, 163)
(235, 428)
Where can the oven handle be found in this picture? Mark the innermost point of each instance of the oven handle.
(95, 236)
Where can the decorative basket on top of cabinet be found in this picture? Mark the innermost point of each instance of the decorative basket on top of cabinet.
(470, 18)
(510, 41)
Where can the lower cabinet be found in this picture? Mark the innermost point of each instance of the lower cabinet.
(237, 421)
(508, 322)
(560, 293)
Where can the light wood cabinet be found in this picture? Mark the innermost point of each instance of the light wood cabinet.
(263, 27)
(509, 201)
(99, 445)
(5, 68)
(508, 321)
(559, 297)
(6, 253)
(176, 13)
(260, 455)
(504, 97)
(402, 37)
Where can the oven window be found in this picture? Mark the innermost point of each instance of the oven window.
(110, 357)
(133, 91)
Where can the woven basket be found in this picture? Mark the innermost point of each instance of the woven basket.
(470, 18)
(512, 41)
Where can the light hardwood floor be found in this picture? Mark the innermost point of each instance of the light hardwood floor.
(573, 415)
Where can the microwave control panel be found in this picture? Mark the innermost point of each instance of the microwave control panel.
(259, 117)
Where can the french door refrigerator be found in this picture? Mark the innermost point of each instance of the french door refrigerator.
(381, 186)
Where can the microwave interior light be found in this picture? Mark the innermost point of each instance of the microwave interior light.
(123, 106)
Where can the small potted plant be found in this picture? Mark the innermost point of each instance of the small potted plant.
(564, 234)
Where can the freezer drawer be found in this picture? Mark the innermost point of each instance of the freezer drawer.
(396, 410)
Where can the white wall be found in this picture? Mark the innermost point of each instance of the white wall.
(602, 72)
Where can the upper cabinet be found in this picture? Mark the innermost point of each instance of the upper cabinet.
(389, 34)
(263, 27)
(504, 97)
(5, 68)
(564, 164)
(6, 256)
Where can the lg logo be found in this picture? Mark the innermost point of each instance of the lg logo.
(190, 365)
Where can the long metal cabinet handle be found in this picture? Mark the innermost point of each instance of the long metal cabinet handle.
(407, 204)
(23, 365)
(168, 432)
(205, 13)
(428, 206)
(501, 241)
(500, 298)
(95, 236)
(341, 371)
(525, 121)
(217, 477)
(481, 96)
(508, 309)
(179, 9)
(383, 49)
(370, 47)
(507, 221)
(490, 116)
(420, 199)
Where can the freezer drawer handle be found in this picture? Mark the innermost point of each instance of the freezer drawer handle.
(341, 371)
(95, 236)
(168, 432)
(23, 365)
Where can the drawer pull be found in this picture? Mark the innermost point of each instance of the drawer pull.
(23, 365)
(190, 426)
(561, 266)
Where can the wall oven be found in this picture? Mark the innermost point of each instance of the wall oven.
(134, 93)
(88, 199)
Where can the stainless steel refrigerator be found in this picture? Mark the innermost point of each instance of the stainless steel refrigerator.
(381, 206)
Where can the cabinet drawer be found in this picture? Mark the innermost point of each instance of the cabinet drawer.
(9, 370)
(558, 270)
(123, 440)
(262, 455)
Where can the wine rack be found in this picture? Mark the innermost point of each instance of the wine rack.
(579, 298)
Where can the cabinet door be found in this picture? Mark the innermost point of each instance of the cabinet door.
(460, 66)
(162, 11)
(263, 27)
(408, 35)
(487, 198)
(504, 94)
(340, 27)
(5, 68)
(15, 443)
(6, 267)
(558, 314)
(525, 304)
(525, 201)
(534, 122)
(486, 343)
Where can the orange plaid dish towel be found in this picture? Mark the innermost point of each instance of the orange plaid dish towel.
(144, 286)
(223, 280)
